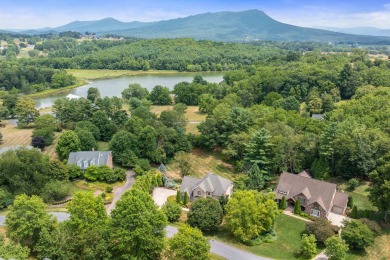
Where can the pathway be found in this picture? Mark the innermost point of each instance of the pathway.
(289, 211)
(119, 190)
(222, 249)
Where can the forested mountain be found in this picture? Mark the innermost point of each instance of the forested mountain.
(251, 25)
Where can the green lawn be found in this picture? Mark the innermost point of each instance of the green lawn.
(289, 231)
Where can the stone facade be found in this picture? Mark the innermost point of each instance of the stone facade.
(316, 206)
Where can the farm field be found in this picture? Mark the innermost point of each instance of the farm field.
(13, 136)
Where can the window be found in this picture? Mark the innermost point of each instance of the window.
(85, 164)
(315, 213)
(303, 200)
(199, 193)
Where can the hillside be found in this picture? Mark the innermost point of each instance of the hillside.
(251, 25)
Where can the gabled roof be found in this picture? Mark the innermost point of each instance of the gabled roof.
(340, 199)
(98, 158)
(210, 183)
(314, 190)
(304, 174)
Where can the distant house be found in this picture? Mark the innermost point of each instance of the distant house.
(13, 148)
(211, 185)
(317, 198)
(89, 158)
(317, 116)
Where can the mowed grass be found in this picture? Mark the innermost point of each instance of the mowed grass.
(102, 74)
(360, 196)
(14, 136)
(193, 116)
(203, 162)
(289, 231)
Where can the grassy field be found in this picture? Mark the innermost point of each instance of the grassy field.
(193, 116)
(360, 196)
(103, 74)
(289, 231)
(203, 162)
(50, 92)
(13, 136)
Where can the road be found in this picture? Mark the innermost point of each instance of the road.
(118, 191)
(222, 249)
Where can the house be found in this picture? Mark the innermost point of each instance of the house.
(71, 96)
(89, 158)
(317, 116)
(317, 198)
(211, 185)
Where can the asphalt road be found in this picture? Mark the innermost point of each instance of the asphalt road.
(118, 191)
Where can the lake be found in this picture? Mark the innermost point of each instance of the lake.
(114, 86)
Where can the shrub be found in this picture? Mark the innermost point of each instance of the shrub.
(172, 210)
(350, 201)
(178, 197)
(308, 246)
(109, 189)
(138, 170)
(186, 199)
(119, 174)
(353, 184)
(322, 229)
(171, 198)
(371, 225)
(92, 173)
(55, 191)
(6, 198)
(74, 171)
(357, 234)
(144, 164)
(205, 214)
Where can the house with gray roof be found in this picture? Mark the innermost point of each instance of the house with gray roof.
(88, 158)
(211, 185)
(317, 198)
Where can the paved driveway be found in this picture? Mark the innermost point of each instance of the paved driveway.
(160, 195)
(118, 191)
(336, 219)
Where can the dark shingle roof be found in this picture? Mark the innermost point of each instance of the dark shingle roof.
(97, 158)
(210, 183)
(340, 199)
(315, 190)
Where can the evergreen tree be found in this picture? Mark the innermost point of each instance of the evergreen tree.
(186, 199)
(255, 179)
(297, 207)
(283, 203)
(354, 212)
(178, 197)
(258, 151)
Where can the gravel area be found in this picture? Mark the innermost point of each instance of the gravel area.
(160, 195)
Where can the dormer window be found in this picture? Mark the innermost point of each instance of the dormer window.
(85, 164)
(92, 162)
(282, 192)
(79, 164)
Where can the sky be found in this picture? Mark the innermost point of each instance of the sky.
(34, 14)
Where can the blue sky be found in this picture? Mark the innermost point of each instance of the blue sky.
(31, 14)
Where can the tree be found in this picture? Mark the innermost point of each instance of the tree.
(172, 210)
(249, 213)
(308, 246)
(55, 191)
(336, 248)
(354, 213)
(205, 214)
(207, 103)
(68, 142)
(26, 219)
(47, 121)
(353, 184)
(87, 140)
(88, 222)
(25, 111)
(283, 203)
(38, 142)
(255, 179)
(124, 147)
(160, 95)
(178, 197)
(297, 207)
(87, 125)
(188, 243)
(322, 229)
(186, 199)
(258, 151)
(380, 186)
(135, 91)
(183, 161)
(320, 169)
(46, 133)
(93, 94)
(11, 250)
(106, 127)
(356, 234)
(138, 227)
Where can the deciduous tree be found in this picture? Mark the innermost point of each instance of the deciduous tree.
(68, 142)
(197, 216)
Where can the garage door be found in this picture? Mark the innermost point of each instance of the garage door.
(337, 210)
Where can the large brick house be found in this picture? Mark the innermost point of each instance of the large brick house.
(211, 185)
(318, 198)
(89, 158)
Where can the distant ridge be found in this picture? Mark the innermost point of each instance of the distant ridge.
(250, 25)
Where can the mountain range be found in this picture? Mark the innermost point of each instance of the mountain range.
(250, 25)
